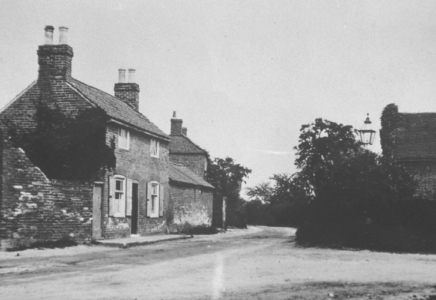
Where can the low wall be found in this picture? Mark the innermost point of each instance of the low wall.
(35, 209)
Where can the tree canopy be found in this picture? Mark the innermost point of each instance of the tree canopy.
(226, 176)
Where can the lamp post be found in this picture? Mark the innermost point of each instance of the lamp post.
(366, 133)
(367, 136)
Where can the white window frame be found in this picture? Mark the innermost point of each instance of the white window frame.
(154, 148)
(123, 140)
(155, 201)
(119, 197)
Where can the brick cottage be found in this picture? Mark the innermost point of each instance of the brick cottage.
(148, 191)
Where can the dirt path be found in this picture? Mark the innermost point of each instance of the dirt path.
(258, 263)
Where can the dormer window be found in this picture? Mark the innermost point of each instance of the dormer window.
(154, 148)
(123, 139)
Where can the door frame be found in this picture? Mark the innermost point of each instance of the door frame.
(135, 208)
(97, 211)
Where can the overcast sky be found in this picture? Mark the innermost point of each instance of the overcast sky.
(243, 75)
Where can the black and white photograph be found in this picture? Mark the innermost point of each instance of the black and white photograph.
(217, 149)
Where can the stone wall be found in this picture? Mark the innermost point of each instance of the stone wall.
(35, 209)
(425, 173)
(138, 165)
(191, 206)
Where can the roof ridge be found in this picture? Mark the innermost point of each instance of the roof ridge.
(115, 98)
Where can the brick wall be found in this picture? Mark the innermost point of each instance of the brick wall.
(191, 206)
(195, 162)
(35, 209)
(138, 165)
(425, 173)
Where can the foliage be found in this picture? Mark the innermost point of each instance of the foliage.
(390, 120)
(66, 146)
(227, 176)
(360, 198)
(407, 225)
(281, 202)
(322, 146)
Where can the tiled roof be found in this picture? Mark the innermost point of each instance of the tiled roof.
(182, 144)
(182, 174)
(416, 136)
(116, 108)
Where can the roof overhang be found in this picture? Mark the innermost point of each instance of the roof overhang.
(130, 126)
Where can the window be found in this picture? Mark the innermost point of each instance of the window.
(154, 148)
(154, 200)
(117, 196)
(123, 139)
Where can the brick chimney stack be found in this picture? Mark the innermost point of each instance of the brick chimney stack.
(54, 60)
(176, 125)
(127, 91)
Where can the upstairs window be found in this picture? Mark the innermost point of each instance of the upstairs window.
(154, 148)
(123, 139)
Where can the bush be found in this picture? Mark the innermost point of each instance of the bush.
(407, 225)
(280, 214)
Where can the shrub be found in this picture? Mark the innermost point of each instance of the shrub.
(406, 225)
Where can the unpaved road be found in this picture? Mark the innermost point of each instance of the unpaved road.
(258, 263)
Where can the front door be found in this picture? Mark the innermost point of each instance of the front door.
(96, 211)
(134, 208)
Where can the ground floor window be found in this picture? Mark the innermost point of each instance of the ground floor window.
(154, 200)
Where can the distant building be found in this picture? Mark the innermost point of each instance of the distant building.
(413, 144)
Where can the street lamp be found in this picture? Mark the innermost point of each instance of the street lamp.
(366, 133)
(367, 136)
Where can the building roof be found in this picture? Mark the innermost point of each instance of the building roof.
(181, 144)
(179, 173)
(115, 108)
(415, 138)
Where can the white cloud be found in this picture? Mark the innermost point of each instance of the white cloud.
(275, 152)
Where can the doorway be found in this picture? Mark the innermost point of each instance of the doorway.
(134, 208)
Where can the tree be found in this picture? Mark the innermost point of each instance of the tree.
(227, 177)
(283, 188)
(281, 202)
(323, 145)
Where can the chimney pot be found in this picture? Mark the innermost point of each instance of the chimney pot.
(185, 131)
(48, 35)
(121, 75)
(174, 114)
(63, 35)
(131, 75)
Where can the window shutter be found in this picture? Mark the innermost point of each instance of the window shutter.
(157, 150)
(161, 200)
(112, 205)
(148, 200)
(129, 197)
